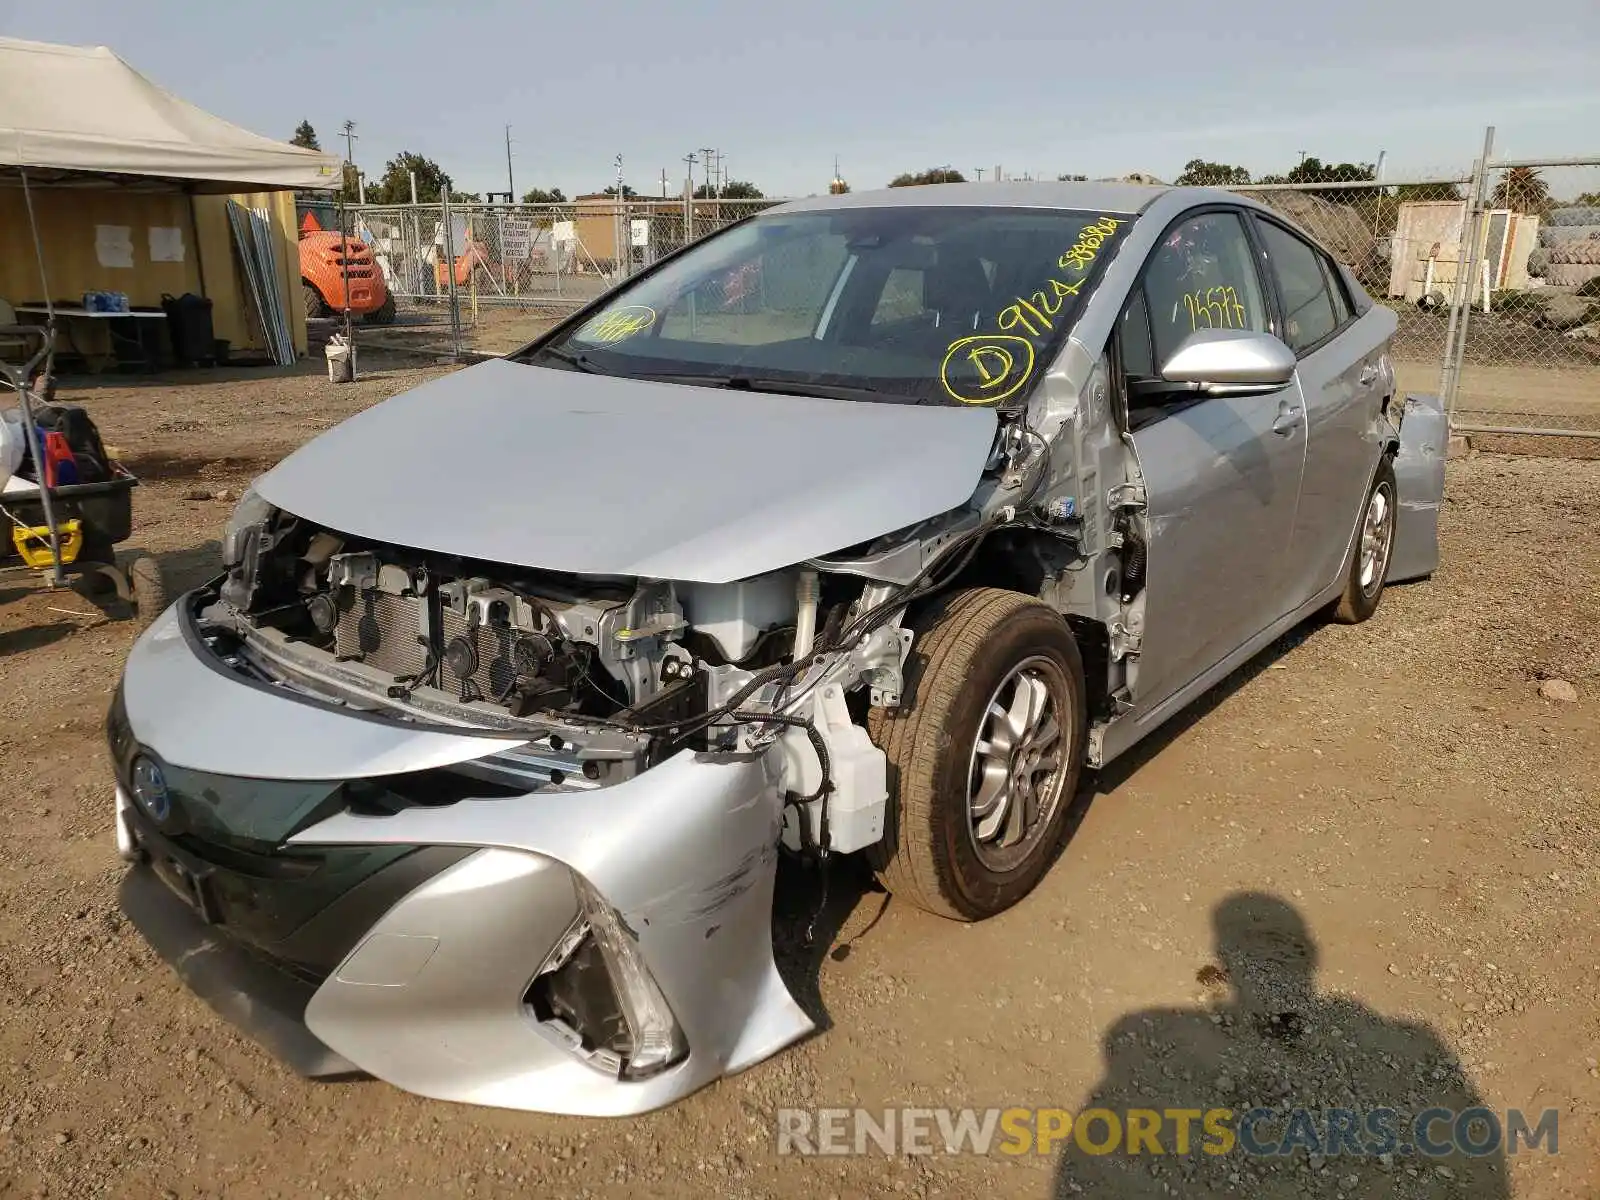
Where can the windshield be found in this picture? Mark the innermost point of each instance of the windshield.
(939, 305)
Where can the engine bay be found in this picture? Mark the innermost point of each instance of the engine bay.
(606, 675)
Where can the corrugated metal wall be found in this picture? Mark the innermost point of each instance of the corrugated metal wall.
(68, 218)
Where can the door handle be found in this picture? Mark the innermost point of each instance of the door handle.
(1288, 420)
(1368, 375)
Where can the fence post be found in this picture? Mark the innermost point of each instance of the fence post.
(1455, 342)
(450, 273)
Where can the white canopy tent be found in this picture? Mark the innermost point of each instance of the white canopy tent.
(81, 111)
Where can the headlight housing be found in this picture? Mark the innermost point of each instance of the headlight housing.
(596, 994)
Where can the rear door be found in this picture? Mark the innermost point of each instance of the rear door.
(1222, 474)
(1344, 382)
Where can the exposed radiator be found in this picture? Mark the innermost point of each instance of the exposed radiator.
(381, 629)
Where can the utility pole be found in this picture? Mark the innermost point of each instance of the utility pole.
(350, 136)
(663, 183)
(1302, 154)
(511, 188)
(705, 157)
(978, 171)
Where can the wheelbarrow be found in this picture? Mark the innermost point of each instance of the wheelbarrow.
(64, 531)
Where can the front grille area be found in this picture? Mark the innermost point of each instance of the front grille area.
(381, 630)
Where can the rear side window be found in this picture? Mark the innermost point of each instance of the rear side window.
(1308, 312)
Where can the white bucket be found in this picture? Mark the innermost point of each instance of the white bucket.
(341, 360)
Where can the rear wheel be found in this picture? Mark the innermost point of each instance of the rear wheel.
(383, 314)
(984, 754)
(1369, 562)
(315, 306)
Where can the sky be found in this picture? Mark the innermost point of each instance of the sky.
(1041, 87)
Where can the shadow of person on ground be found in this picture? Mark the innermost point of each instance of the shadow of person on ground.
(1270, 1041)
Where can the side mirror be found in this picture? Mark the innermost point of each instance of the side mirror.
(1230, 362)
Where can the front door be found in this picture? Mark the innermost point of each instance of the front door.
(1222, 474)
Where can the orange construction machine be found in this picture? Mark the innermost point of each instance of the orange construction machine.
(325, 259)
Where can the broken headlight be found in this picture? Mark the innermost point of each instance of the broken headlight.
(595, 993)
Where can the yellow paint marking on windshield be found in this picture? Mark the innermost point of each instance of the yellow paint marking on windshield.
(1001, 364)
(1218, 307)
(619, 324)
(1086, 248)
(1020, 313)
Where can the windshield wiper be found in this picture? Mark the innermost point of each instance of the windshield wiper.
(577, 361)
(777, 387)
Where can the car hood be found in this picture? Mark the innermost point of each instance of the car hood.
(595, 474)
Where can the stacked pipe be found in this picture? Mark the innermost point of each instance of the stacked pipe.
(258, 252)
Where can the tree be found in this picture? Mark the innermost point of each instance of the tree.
(838, 187)
(734, 189)
(395, 185)
(627, 191)
(541, 196)
(1197, 172)
(931, 175)
(1407, 192)
(1314, 170)
(1521, 189)
(305, 136)
(1588, 200)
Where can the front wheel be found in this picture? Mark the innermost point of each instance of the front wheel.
(984, 754)
(1374, 543)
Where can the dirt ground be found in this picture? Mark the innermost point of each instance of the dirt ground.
(1399, 788)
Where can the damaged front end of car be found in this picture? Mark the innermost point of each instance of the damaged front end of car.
(496, 834)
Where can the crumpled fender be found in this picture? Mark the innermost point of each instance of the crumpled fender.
(686, 852)
(1419, 486)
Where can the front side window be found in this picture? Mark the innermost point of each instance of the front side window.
(1308, 313)
(1203, 276)
(928, 305)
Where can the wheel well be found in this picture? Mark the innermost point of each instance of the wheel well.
(1021, 560)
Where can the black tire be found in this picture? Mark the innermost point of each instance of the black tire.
(315, 305)
(383, 314)
(149, 589)
(1577, 214)
(97, 548)
(1360, 599)
(968, 647)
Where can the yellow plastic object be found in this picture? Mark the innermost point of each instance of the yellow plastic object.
(33, 543)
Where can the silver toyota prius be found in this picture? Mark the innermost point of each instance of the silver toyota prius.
(863, 526)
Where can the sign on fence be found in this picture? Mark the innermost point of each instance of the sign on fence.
(641, 232)
(563, 232)
(516, 239)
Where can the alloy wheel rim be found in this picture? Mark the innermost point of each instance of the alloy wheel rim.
(1377, 533)
(1019, 762)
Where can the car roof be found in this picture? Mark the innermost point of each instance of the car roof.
(1108, 197)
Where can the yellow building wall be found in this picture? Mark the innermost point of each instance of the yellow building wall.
(67, 219)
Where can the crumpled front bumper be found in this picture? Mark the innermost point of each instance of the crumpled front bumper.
(432, 996)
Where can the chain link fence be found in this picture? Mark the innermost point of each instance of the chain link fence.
(487, 278)
(1527, 356)
(1398, 240)
(1493, 273)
